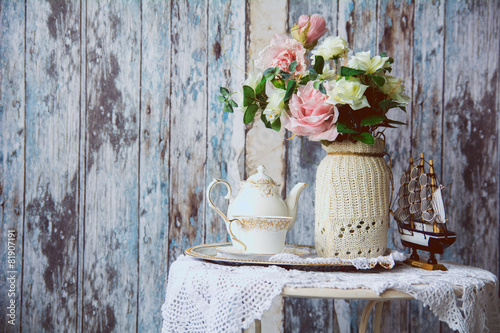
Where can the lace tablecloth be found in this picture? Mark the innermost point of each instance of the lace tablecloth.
(208, 297)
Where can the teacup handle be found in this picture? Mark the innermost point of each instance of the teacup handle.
(211, 203)
(233, 236)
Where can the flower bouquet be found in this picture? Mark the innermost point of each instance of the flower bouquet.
(326, 93)
(332, 97)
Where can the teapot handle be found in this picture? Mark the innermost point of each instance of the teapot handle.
(228, 195)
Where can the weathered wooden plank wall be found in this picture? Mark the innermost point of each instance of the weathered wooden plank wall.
(110, 130)
(12, 151)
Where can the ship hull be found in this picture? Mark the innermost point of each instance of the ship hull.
(425, 240)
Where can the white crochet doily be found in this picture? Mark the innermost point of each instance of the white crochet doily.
(208, 297)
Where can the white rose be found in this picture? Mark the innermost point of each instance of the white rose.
(349, 92)
(275, 105)
(362, 61)
(393, 87)
(328, 74)
(330, 48)
(253, 80)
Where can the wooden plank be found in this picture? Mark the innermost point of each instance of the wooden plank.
(111, 187)
(357, 24)
(470, 131)
(426, 116)
(265, 146)
(321, 312)
(52, 158)
(12, 145)
(188, 123)
(82, 164)
(154, 157)
(395, 33)
(225, 132)
(427, 108)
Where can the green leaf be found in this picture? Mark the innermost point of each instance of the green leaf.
(316, 84)
(221, 99)
(372, 120)
(233, 103)
(313, 75)
(379, 81)
(388, 104)
(227, 108)
(392, 121)
(280, 84)
(224, 91)
(261, 87)
(319, 63)
(325, 142)
(285, 76)
(347, 71)
(304, 80)
(386, 125)
(270, 73)
(290, 89)
(341, 128)
(248, 96)
(292, 66)
(322, 89)
(383, 54)
(364, 137)
(276, 125)
(250, 114)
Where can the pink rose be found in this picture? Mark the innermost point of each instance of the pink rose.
(317, 27)
(310, 115)
(281, 52)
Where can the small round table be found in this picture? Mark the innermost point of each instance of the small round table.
(211, 296)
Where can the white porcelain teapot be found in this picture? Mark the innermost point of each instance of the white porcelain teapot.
(259, 196)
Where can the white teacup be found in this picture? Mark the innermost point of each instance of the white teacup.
(259, 235)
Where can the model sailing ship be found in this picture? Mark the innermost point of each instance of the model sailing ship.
(421, 216)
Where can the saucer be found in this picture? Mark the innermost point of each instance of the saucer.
(233, 252)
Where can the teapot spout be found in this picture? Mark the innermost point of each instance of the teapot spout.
(292, 201)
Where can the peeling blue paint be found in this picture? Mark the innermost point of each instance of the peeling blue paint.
(198, 55)
(214, 141)
(173, 244)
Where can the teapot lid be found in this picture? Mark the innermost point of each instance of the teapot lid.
(261, 176)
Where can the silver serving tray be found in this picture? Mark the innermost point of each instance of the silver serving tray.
(209, 252)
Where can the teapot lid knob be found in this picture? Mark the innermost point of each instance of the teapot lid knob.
(261, 176)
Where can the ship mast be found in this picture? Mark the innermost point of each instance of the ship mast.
(412, 217)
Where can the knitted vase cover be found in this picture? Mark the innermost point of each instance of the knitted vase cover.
(353, 193)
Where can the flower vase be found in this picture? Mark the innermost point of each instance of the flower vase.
(352, 200)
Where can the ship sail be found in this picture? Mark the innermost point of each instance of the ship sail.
(414, 188)
(438, 206)
(419, 196)
(403, 211)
